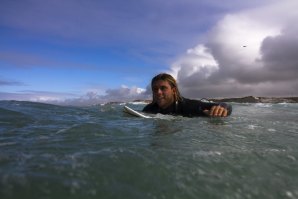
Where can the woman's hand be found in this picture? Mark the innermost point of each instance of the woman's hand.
(217, 111)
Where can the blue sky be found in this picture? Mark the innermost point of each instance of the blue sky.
(94, 51)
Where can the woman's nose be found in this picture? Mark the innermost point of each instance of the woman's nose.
(159, 91)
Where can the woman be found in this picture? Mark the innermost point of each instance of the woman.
(167, 100)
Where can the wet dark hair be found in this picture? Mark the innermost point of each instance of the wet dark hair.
(171, 80)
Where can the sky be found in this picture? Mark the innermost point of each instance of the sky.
(84, 52)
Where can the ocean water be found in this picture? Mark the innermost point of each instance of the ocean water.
(49, 151)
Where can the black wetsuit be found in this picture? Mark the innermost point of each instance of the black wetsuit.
(186, 107)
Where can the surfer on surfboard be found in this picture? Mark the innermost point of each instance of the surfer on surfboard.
(167, 100)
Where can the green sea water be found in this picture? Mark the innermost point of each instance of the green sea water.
(49, 151)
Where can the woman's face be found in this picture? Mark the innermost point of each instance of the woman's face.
(163, 93)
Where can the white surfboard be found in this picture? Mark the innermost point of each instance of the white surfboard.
(130, 111)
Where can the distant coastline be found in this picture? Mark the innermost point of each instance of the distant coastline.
(247, 99)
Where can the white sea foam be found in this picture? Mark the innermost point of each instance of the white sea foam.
(271, 130)
(7, 144)
(263, 105)
(252, 126)
(138, 103)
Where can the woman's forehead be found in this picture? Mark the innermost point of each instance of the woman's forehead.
(161, 83)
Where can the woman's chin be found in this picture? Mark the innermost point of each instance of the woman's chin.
(162, 105)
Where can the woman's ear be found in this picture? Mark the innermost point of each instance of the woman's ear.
(174, 93)
(174, 89)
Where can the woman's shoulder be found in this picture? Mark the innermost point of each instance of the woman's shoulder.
(149, 108)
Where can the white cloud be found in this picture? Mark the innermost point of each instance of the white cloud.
(195, 60)
(122, 94)
(253, 52)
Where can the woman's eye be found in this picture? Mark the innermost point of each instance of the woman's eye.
(162, 88)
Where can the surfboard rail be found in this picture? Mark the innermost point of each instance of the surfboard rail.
(130, 111)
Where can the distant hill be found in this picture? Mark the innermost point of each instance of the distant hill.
(252, 99)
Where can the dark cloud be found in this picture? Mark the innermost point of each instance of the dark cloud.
(4, 82)
(280, 56)
(266, 66)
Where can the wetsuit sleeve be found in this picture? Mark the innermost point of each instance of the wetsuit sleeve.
(192, 108)
(208, 106)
